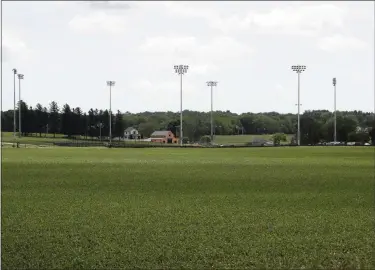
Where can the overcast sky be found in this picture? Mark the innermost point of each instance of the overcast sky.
(68, 50)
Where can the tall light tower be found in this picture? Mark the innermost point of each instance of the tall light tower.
(334, 106)
(14, 102)
(181, 70)
(20, 77)
(212, 84)
(110, 84)
(100, 125)
(299, 69)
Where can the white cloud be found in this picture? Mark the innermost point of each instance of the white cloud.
(303, 20)
(114, 5)
(340, 42)
(168, 45)
(161, 87)
(202, 69)
(14, 47)
(216, 39)
(308, 20)
(205, 55)
(279, 87)
(98, 20)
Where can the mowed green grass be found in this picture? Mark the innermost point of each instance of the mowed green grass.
(50, 139)
(242, 139)
(8, 137)
(188, 208)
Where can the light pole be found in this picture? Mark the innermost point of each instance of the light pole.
(334, 105)
(212, 84)
(299, 69)
(100, 125)
(20, 77)
(181, 70)
(110, 84)
(14, 103)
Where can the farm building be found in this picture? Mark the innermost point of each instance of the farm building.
(131, 133)
(163, 136)
(261, 142)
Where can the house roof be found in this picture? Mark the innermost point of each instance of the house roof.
(129, 129)
(161, 133)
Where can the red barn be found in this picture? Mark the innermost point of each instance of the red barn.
(164, 136)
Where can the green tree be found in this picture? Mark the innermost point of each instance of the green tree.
(205, 139)
(39, 119)
(119, 125)
(345, 125)
(361, 136)
(66, 121)
(54, 118)
(372, 135)
(278, 138)
(78, 123)
(147, 128)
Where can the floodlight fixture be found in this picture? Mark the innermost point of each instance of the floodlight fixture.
(20, 77)
(211, 84)
(110, 84)
(14, 102)
(181, 70)
(298, 69)
(335, 112)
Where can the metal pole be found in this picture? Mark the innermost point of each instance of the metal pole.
(298, 118)
(212, 123)
(181, 134)
(100, 132)
(110, 114)
(335, 124)
(19, 107)
(14, 105)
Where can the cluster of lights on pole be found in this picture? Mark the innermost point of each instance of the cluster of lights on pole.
(110, 84)
(211, 84)
(180, 70)
(299, 69)
(20, 77)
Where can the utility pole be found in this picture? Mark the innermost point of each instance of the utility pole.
(110, 84)
(299, 69)
(212, 84)
(181, 70)
(20, 77)
(100, 130)
(334, 105)
(14, 104)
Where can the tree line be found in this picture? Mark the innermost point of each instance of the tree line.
(316, 126)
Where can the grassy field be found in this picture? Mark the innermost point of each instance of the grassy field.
(219, 139)
(188, 208)
(7, 137)
(242, 139)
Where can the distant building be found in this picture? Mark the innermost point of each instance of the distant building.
(164, 136)
(359, 129)
(261, 142)
(131, 133)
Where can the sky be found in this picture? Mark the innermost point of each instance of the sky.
(68, 50)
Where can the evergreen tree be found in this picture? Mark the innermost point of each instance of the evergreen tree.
(119, 125)
(54, 118)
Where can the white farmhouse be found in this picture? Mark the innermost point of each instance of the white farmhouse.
(131, 133)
